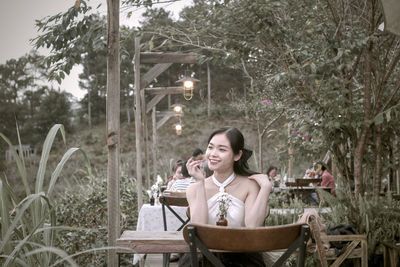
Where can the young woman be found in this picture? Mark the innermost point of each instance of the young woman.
(249, 192)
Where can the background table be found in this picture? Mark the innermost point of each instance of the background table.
(151, 219)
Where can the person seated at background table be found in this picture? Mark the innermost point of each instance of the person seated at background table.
(197, 154)
(249, 192)
(177, 170)
(183, 183)
(273, 177)
(271, 172)
(327, 178)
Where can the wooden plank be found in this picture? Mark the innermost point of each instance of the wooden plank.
(155, 57)
(138, 124)
(153, 102)
(148, 242)
(355, 254)
(153, 73)
(165, 90)
(346, 253)
(343, 237)
(165, 113)
(163, 120)
(113, 129)
(154, 125)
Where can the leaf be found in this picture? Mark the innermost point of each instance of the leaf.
(388, 115)
(378, 119)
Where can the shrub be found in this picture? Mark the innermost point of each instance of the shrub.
(85, 206)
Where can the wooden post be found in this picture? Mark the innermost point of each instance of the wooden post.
(113, 128)
(145, 137)
(138, 124)
(154, 123)
(208, 90)
(290, 167)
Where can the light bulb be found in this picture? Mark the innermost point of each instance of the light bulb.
(178, 109)
(188, 84)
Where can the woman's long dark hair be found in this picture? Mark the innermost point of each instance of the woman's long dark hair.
(236, 139)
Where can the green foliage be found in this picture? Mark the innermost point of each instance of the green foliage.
(84, 206)
(28, 226)
(378, 218)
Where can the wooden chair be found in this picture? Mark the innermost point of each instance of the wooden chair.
(209, 238)
(351, 252)
(170, 199)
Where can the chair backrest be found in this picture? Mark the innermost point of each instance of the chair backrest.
(174, 200)
(222, 238)
(170, 200)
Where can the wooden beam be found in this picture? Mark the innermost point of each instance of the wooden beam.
(113, 129)
(165, 90)
(154, 124)
(164, 120)
(153, 102)
(155, 57)
(165, 113)
(153, 73)
(138, 125)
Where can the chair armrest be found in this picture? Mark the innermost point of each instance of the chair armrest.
(344, 238)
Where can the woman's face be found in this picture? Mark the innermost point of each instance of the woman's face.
(219, 154)
(178, 173)
(272, 173)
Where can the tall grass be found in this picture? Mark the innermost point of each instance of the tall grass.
(28, 226)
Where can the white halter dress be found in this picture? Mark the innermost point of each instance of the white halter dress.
(235, 215)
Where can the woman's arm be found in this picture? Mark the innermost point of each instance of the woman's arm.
(256, 204)
(196, 197)
(196, 194)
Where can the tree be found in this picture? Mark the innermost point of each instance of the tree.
(333, 69)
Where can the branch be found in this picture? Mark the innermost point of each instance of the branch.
(271, 122)
(391, 97)
(247, 74)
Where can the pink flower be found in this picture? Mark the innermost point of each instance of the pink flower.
(394, 132)
(307, 137)
(266, 101)
(295, 133)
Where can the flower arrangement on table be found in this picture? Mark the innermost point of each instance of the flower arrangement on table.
(154, 190)
(224, 202)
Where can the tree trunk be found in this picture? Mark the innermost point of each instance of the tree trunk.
(358, 161)
(362, 140)
(89, 110)
(260, 136)
(378, 160)
(113, 128)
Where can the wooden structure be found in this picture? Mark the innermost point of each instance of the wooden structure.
(148, 242)
(163, 61)
(352, 250)
(113, 129)
(391, 254)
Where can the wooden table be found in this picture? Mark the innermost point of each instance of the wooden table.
(149, 242)
(391, 254)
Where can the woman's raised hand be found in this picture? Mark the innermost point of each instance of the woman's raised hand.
(262, 180)
(193, 167)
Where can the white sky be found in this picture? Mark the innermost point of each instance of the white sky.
(17, 27)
